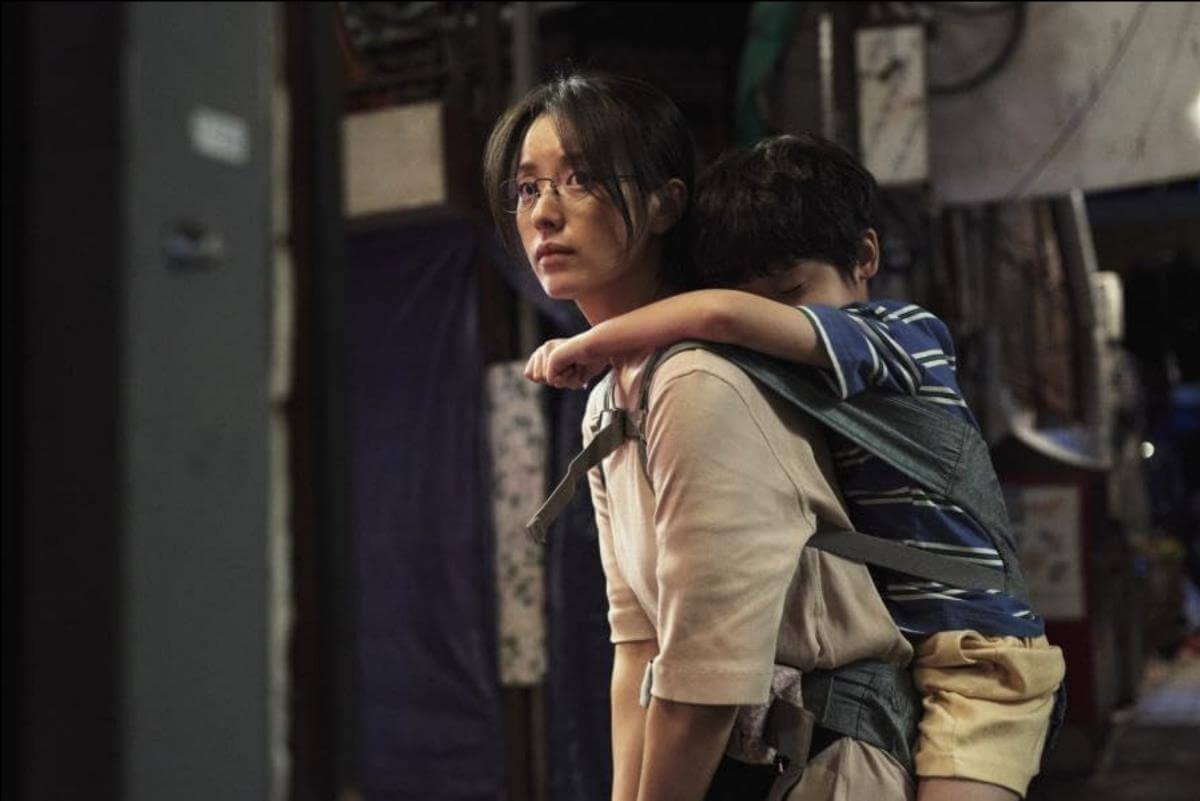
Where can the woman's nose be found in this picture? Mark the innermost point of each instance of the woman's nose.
(547, 212)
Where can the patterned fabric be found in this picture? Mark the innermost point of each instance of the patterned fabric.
(517, 436)
(747, 741)
(894, 347)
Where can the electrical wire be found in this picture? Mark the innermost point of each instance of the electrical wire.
(1181, 32)
(973, 9)
(1072, 125)
(998, 62)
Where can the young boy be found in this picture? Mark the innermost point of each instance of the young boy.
(790, 224)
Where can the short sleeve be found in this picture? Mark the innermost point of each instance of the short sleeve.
(627, 620)
(729, 526)
(878, 347)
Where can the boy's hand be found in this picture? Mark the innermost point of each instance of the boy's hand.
(562, 363)
(535, 368)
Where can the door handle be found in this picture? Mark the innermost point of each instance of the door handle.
(190, 245)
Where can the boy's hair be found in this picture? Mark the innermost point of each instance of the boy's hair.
(788, 198)
(622, 130)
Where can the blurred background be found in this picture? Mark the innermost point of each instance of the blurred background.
(267, 451)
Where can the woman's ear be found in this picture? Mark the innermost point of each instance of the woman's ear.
(667, 205)
(868, 257)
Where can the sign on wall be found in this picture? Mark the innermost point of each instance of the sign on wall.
(893, 129)
(1047, 524)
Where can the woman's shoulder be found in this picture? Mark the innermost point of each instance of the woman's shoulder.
(691, 378)
(705, 401)
(597, 396)
(702, 382)
(694, 366)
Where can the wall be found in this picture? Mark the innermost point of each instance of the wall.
(1096, 96)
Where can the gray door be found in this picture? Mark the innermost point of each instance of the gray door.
(194, 403)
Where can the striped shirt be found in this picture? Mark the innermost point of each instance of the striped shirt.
(888, 346)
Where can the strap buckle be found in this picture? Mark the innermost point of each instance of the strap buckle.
(631, 422)
(607, 415)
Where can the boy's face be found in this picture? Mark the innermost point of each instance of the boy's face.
(809, 283)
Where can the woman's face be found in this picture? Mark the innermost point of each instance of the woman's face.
(577, 247)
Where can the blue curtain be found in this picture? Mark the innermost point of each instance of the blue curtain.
(432, 726)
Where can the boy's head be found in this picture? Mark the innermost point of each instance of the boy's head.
(792, 215)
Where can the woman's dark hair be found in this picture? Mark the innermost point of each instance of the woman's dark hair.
(788, 198)
(619, 128)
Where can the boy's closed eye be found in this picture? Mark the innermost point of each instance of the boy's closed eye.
(792, 295)
(808, 282)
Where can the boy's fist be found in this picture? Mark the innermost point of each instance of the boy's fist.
(562, 363)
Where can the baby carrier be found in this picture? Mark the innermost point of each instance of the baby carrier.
(870, 701)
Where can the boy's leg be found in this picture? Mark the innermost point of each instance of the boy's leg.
(987, 704)
(962, 790)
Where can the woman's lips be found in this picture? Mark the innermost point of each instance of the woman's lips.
(550, 255)
(552, 261)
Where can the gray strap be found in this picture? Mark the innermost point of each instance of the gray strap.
(859, 547)
(785, 781)
(789, 730)
(872, 701)
(852, 545)
(610, 436)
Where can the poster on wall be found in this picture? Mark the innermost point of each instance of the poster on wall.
(1046, 522)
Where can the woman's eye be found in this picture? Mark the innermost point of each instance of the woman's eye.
(526, 189)
(583, 180)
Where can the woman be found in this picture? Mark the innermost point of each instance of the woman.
(708, 583)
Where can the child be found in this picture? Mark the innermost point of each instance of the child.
(789, 223)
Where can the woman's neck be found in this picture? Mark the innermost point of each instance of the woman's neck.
(625, 302)
(638, 287)
(599, 308)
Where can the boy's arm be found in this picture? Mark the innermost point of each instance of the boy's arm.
(718, 315)
(759, 324)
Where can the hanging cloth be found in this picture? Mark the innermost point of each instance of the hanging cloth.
(518, 447)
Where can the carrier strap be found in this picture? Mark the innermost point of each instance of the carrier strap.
(614, 430)
(907, 559)
(616, 426)
(872, 701)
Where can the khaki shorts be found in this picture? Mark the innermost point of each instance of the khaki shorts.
(850, 770)
(987, 704)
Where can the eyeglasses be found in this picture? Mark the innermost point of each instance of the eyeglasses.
(520, 194)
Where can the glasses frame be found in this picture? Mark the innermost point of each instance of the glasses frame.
(569, 196)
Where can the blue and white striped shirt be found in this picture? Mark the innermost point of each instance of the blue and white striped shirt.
(889, 346)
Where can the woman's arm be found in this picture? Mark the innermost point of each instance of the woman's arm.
(670, 751)
(684, 743)
(717, 315)
(628, 716)
(729, 528)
